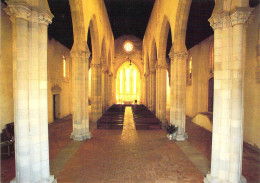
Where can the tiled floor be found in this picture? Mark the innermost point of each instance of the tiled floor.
(128, 156)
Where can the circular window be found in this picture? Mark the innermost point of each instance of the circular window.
(128, 46)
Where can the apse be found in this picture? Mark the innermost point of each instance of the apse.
(128, 84)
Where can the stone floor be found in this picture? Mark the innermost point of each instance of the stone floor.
(130, 155)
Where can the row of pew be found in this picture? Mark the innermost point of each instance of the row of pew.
(7, 141)
(113, 118)
(144, 119)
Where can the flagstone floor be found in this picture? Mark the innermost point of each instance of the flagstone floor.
(130, 156)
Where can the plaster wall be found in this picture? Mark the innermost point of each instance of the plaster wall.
(251, 87)
(56, 51)
(197, 92)
(6, 76)
(121, 56)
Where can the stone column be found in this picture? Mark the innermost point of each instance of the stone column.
(110, 89)
(30, 91)
(96, 105)
(80, 61)
(238, 19)
(216, 23)
(178, 93)
(257, 73)
(146, 89)
(227, 140)
(153, 90)
(103, 89)
(156, 92)
(44, 20)
(161, 92)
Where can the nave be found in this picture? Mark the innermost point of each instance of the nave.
(131, 155)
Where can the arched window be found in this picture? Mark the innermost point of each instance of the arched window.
(189, 71)
(64, 66)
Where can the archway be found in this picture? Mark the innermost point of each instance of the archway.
(128, 83)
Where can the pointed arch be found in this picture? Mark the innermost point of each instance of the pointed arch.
(165, 27)
(153, 54)
(181, 26)
(93, 31)
(103, 55)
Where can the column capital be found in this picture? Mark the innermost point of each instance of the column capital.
(146, 74)
(240, 16)
(105, 71)
(95, 65)
(110, 74)
(171, 53)
(161, 66)
(152, 72)
(18, 10)
(180, 55)
(226, 20)
(80, 50)
(216, 21)
(45, 18)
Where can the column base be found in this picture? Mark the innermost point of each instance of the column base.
(181, 137)
(210, 179)
(80, 137)
(51, 180)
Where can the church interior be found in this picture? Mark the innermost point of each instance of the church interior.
(88, 88)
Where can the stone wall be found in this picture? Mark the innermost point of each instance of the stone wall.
(251, 86)
(56, 51)
(6, 76)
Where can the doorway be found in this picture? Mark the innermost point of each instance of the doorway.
(211, 94)
(56, 107)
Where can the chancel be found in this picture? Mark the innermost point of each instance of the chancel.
(87, 88)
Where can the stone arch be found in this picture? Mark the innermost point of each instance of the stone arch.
(103, 55)
(93, 28)
(153, 54)
(181, 26)
(77, 20)
(164, 31)
(109, 60)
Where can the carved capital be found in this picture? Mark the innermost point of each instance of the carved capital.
(226, 20)
(80, 50)
(171, 54)
(181, 56)
(146, 74)
(34, 17)
(216, 21)
(240, 16)
(105, 71)
(45, 18)
(18, 10)
(161, 66)
(95, 65)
